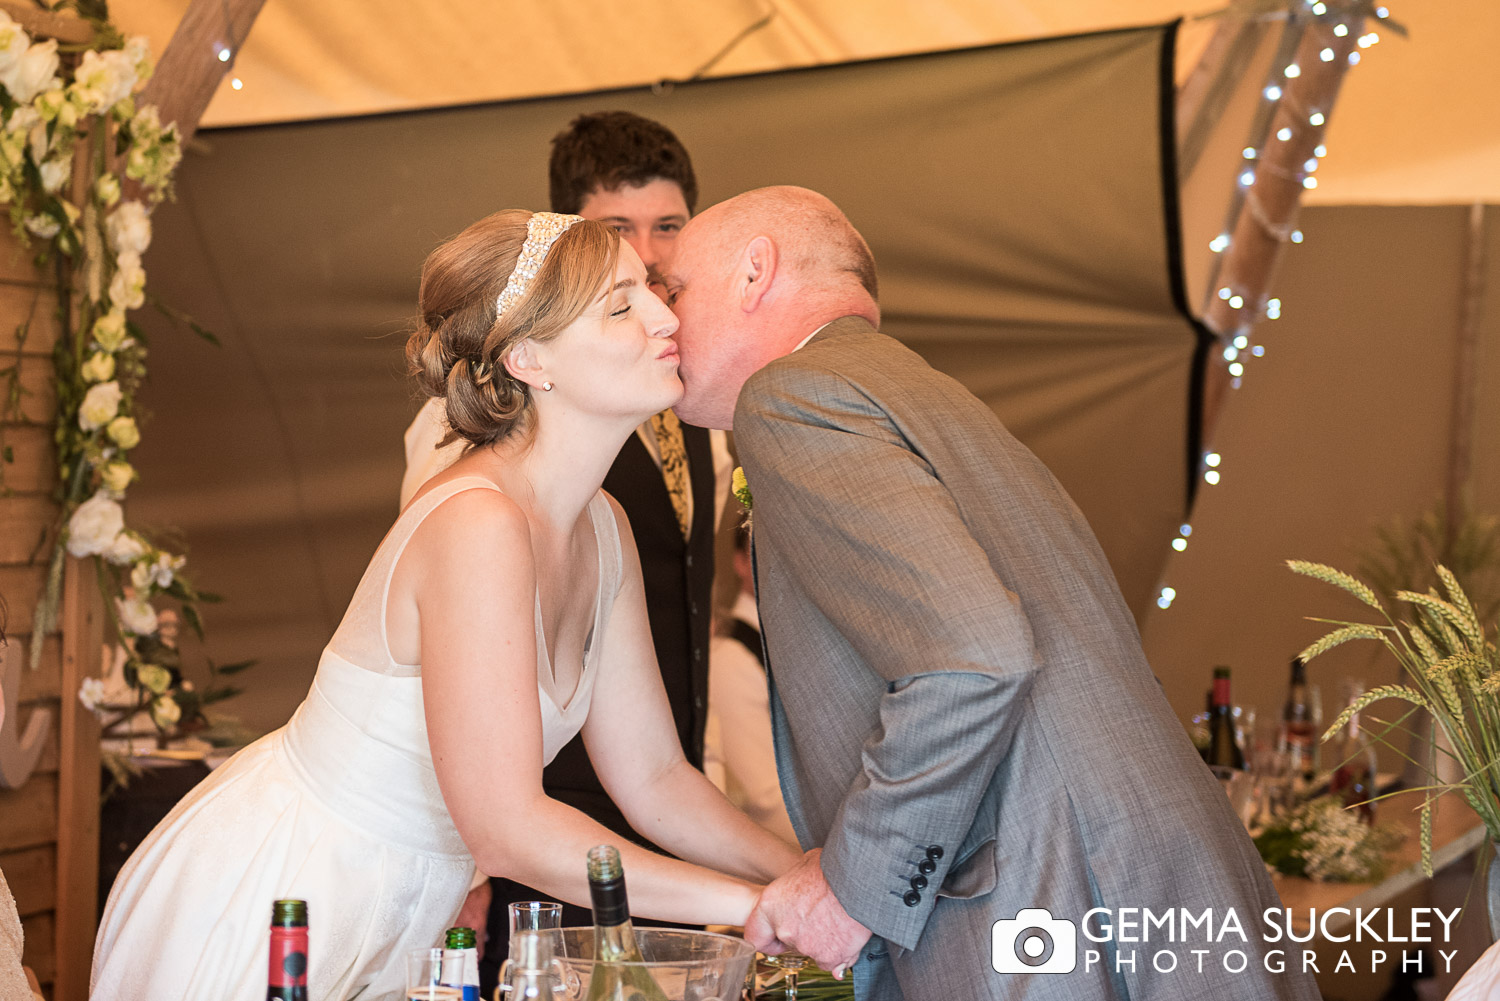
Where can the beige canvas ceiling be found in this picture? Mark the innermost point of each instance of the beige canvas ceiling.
(1418, 121)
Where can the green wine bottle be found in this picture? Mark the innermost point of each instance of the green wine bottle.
(617, 973)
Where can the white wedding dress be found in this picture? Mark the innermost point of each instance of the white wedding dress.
(340, 807)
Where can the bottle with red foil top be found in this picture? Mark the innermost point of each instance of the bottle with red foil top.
(1224, 756)
(287, 977)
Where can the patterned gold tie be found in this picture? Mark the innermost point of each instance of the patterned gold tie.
(674, 468)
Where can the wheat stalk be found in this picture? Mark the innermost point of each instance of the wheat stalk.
(1337, 578)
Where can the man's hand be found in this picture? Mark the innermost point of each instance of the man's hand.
(799, 911)
(476, 913)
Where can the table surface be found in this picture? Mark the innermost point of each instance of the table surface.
(1456, 831)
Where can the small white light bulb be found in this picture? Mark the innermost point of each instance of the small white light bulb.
(1236, 369)
(1273, 93)
(1382, 12)
(1283, 133)
(1320, 151)
(1341, 30)
(1242, 342)
(1309, 183)
(1316, 118)
(1235, 302)
(236, 83)
(1179, 544)
(1212, 459)
(1247, 178)
(1235, 382)
(1296, 236)
(1326, 55)
(1354, 59)
(1186, 530)
(1219, 243)
(1259, 351)
(1168, 593)
(1211, 477)
(1310, 165)
(1248, 152)
(1231, 353)
(1225, 292)
(1320, 9)
(224, 55)
(1293, 71)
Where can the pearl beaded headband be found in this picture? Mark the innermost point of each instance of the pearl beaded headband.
(542, 231)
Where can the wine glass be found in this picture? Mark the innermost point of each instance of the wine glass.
(425, 969)
(791, 965)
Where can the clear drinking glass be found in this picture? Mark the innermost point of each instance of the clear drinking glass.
(424, 975)
(535, 915)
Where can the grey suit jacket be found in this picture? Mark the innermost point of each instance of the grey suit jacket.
(964, 718)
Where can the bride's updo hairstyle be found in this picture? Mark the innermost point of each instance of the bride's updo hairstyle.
(459, 346)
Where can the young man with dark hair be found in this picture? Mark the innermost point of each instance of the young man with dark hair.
(633, 173)
(627, 171)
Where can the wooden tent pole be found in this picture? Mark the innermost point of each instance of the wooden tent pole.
(1268, 211)
(190, 69)
(1465, 374)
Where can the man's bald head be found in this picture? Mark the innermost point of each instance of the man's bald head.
(750, 279)
(818, 243)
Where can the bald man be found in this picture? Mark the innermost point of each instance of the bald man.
(971, 745)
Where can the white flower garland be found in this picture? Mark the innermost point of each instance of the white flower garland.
(49, 109)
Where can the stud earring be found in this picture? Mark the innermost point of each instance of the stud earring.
(547, 387)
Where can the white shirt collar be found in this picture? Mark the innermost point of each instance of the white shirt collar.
(809, 337)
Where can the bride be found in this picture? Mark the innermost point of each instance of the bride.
(502, 613)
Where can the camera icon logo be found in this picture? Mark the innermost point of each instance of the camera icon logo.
(1034, 942)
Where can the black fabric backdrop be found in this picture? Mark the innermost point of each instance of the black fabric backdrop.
(1014, 197)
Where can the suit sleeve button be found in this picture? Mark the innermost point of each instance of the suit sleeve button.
(935, 852)
(919, 882)
(926, 866)
(912, 898)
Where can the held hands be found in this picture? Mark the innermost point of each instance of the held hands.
(799, 911)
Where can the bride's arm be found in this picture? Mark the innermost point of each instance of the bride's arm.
(469, 568)
(632, 743)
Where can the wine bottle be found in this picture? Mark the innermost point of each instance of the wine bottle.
(1224, 754)
(618, 975)
(530, 970)
(1299, 728)
(287, 977)
(464, 971)
(1353, 780)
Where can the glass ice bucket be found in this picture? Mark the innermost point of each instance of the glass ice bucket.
(688, 965)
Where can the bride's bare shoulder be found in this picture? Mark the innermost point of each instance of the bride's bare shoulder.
(477, 522)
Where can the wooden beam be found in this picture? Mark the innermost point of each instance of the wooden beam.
(1268, 210)
(1465, 379)
(78, 785)
(190, 69)
(47, 24)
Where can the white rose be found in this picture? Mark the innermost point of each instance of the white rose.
(138, 50)
(103, 79)
(13, 42)
(127, 289)
(92, 694)
(94, 525)
(129, 228)
(55, 173)
(165, 712)
(43, 226)
(49, 103)
(32, 73)
(124, 432)
(100, 405)
(126, 549)
(99, 368)
(136, 616)
(117, 476)
(109, 330)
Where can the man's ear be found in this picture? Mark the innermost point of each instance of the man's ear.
(525, 365)
(756, 272)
